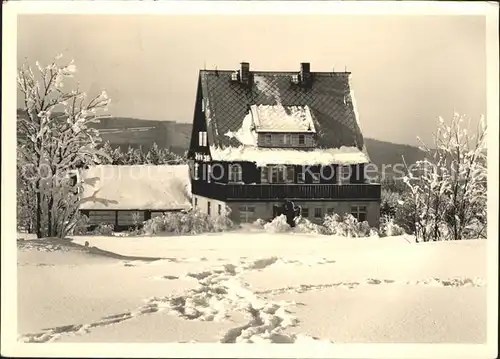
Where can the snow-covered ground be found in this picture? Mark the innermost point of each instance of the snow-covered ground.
(254, 287)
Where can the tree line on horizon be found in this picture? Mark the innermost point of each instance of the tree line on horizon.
(138, 156)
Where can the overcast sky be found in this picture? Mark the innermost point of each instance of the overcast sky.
(406, 70)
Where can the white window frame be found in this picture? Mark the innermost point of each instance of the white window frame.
(287, 139)
(264, 174)
(202, 138)
(289, 170)
(196, 171)
(277, 170)
(245, 210)
(237, 176)
(357, 209)
(303, 140)
(301, 177)
(341, 171)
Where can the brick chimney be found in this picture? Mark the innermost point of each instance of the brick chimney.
(245, 73)
(305, 73)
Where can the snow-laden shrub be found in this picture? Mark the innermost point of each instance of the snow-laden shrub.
(346, 226)
(303, 225)
(277, 225)
(104, 229)
(333, 224)
(192, 222)
(353, 228)
(259, 223)
(81, 225)
(388, 227)
(389, 201)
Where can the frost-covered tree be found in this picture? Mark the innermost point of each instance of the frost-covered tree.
(108, 149)
(447, 191)
(131, 156)
(154, 155)
(118, 157)
(54, 140)
(140, 155)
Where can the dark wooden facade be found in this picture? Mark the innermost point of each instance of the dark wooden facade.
(114, 218)
(218, 186)
(263, 192)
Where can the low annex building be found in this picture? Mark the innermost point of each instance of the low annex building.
(126, 195)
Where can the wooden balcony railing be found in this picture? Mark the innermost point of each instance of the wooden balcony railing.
(286, 191)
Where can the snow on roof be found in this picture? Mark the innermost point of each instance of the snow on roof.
(279, 118)
(267, 156)
(246, 135)
(334, 118)
(144, 187)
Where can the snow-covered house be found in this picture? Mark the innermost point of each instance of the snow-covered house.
(126, 195)
(260, 138)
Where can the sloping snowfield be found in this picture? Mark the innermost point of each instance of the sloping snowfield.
(252, 287)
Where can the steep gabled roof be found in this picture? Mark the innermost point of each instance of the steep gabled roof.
(329, 100)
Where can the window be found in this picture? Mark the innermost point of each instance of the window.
(196, 171)
(129, 218)
(305, 212)
(290, 174)
(286, 139)
(277, 174)
(208, 207)
(247, 213)
(344, 174)
(302, 139)
(301, 178)
(219, 209)
(330, 211)
(98, 217)
(318, 212)
(264, 174)
(235, 173)
(267, 139)
(359, 212)
(202, 138)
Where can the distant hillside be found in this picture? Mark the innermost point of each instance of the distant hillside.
(388, 153)
(124, 132)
